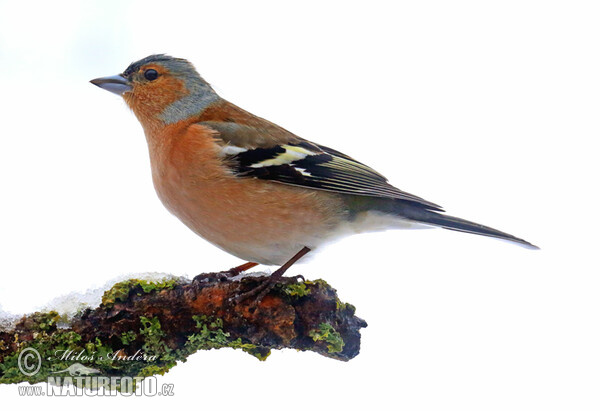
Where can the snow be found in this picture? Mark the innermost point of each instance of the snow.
(68, 305)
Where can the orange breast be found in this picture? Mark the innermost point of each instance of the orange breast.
(256, 220)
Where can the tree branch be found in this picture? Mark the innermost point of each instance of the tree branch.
(143, 328)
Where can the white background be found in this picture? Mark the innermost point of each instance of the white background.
(487, 108)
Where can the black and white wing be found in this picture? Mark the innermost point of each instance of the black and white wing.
(311, 165)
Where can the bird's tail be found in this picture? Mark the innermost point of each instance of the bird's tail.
(458, 224)
(425, 215)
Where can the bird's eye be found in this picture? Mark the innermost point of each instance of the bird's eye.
(151, 74)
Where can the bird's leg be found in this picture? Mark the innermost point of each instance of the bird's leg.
(223, 275)
(232, 272)
(277, 277)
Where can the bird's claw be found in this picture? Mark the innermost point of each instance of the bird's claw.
(224, 275)
(218, 276)
(262, 289)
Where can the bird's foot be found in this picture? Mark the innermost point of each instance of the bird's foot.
(277, 277)
(266, 285)
(224, 275)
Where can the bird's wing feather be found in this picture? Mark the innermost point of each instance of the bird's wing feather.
(302, 163)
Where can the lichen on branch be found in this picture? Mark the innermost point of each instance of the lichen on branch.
(145, 327)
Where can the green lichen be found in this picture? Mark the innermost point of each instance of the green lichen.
(327, 333)
(153, 334)
(345, 306)
(121, 291)
(256, 351)
(302, 289)
(59, 349)
(154, 285)
(42, 321)
(211, 335)
(295, 290)
(153, 370)
(318, 283)
(128, 337)
(51, 343)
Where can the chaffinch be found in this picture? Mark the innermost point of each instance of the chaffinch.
(250, 187)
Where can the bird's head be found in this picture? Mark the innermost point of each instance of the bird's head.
(161, 89)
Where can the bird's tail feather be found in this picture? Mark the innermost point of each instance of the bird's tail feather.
(425, 215)
(458, 224)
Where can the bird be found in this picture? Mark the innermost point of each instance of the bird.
(251, 187)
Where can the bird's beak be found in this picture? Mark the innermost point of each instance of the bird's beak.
(115, 84)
